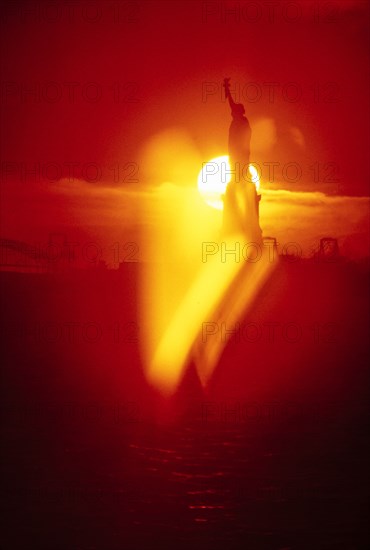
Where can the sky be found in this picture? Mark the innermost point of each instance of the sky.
(109, 101)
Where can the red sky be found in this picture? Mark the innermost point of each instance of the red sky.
(159, 65)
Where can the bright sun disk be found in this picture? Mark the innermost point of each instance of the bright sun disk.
(214, 177)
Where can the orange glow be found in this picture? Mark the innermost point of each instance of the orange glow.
(182, 288)
(217, 295)
(198, 305)
(214, 177)
(233, 303)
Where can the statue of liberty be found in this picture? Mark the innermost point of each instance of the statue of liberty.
(241, 212)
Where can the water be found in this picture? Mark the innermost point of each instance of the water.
(85, 478)
(276, 485)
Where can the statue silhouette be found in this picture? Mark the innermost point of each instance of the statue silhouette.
(241, 201)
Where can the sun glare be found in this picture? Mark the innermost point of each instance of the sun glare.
(214, 178)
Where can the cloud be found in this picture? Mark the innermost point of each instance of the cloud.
(32, 211)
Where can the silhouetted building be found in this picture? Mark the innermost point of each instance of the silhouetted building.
(329, 249)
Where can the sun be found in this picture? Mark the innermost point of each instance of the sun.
(214, 177)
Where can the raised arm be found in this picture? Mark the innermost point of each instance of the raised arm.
(231, 101)
(228, 94)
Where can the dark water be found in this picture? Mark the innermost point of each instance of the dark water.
(274, 456)
(257, 484)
